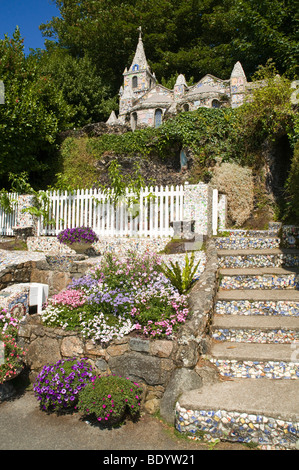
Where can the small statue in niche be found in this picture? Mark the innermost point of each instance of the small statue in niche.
(183, 159)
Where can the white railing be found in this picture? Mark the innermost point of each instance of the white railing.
(150, 215)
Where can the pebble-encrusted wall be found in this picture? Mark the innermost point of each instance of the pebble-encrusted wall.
(15, 300)
(25, 219)
(105, 244)
(241, 427)
(222, 212)
(290, 236)
(198, 207)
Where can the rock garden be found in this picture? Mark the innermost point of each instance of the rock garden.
(117, 316)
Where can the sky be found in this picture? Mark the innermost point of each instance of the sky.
(28, 15)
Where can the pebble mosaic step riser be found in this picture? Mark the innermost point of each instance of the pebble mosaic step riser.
(238, 243)
(257, 369)
(266, 432)
(245, 307)
(258, 261)
(256, 336)
(259, 282)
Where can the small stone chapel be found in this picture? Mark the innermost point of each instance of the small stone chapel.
(143, 102)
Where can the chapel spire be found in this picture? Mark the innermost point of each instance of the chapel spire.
(139, 61)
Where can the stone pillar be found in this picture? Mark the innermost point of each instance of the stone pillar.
(222, 212)
(27, 224)
(198, 207)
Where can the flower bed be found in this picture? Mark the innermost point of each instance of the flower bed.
(58, 385)
(72, 385)
(118, 296)
(13, 353)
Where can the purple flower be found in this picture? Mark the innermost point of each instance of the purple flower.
(77, 234)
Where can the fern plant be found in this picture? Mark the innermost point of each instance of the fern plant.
(181, 278)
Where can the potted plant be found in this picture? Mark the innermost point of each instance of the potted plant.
(79, 239)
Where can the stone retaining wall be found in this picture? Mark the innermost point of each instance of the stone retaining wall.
(118, 245)
(56, 271)
(14, 274)
(165, 368)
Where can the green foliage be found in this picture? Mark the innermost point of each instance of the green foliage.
(292, 188)
(177, 35)
(124, 187)
(20, 184)
(181, 278)
(269, 113)
(76, 165)
(33, 114)
(109, 399)
(209, 133)
(6, 203)
(81, 86)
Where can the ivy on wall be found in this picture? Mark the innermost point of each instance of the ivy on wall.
(205, 132)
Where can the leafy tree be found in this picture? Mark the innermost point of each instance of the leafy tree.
(193, 37)
(268, 114)
(292, 188)
(33, 114)
(80, 85)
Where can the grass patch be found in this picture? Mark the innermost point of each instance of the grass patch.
(13, 245)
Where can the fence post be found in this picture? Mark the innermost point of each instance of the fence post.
(198, 206)
(215, 212)
(222, 211)
(26, 223)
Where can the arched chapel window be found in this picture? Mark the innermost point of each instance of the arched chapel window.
(158, 117)
(134, 82)
(134, 121)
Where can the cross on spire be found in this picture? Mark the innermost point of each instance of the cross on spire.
(140, 32)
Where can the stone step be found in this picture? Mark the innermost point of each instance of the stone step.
(255, 352)
(251, 295)
(255, 328)
(247, 258)
(258, 302)
(260, 411)
(256, 360)
(259, 278)
(245, 242)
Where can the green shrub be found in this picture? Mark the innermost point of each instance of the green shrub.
(292, 186)
(109, 399)
(181, 278)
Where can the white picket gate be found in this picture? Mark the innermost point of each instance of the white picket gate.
(150, 215)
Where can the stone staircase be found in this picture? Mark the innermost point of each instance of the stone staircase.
(255, 347)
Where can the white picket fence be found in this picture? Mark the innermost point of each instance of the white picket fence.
(9, 220)
(149, 216)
